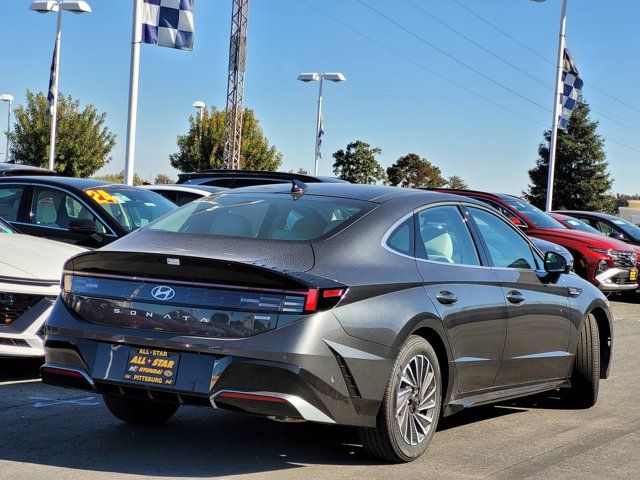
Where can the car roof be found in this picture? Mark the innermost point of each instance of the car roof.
(370, 193)
(605, 216)
(13, 169)
(78, 183)
(286, 176)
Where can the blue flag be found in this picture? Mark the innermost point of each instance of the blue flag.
(572, 85)
(52, 81)
(168, 23)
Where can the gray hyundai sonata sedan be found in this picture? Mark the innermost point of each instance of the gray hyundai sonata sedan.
(377, 307)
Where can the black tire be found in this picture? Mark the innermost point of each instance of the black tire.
(139, 412)
(585, 377)
(386, 440)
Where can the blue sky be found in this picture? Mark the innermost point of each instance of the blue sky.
(391, 100)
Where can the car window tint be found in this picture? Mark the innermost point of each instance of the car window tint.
(10, 198)
(506, 247)
(276, 217)
(182, 198)
(401, 239)
(55, 208)
(442, 235)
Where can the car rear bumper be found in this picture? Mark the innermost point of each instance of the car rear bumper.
(310, 370)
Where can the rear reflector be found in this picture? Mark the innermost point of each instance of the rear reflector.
(62, 371)
(252, 396)
(332, 293)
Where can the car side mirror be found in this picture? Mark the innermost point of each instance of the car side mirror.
(517, 222)
(84, 226)
(619, 236)
(556, 263)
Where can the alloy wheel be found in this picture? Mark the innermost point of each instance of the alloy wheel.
(415, 400)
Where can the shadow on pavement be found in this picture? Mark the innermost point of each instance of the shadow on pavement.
(14, 369)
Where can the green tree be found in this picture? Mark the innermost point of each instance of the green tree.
(163, 179)
(581, 177)
(84, 142)
(413, 171)
(457, 183)
(358, 163)
(119, 178)
(203, 145)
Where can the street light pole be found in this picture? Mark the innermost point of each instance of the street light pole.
(318, 127)
(57, 6)
(54, 105)
(320, 77)
(200, 106)
(9, 99)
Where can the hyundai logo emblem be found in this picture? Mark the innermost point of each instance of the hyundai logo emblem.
(162, 292)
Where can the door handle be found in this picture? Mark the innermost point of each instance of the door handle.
(446, 298)
(515, 297)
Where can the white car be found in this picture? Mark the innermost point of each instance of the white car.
(30, 272)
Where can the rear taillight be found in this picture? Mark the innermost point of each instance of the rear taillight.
(323, 298)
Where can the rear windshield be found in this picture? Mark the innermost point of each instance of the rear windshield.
(131, 207)
(275, 217)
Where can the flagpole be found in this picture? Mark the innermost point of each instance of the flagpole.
(136, 39)
(54, 105)
(556, 107)
(318, 126)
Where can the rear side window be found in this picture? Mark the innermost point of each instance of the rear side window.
(442, 236)
(401, 239)
(271, 216)
(10, 198)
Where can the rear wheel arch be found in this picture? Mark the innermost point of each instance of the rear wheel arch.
(604, 330)
(438, 344)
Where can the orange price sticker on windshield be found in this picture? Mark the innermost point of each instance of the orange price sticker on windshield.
(101, 196)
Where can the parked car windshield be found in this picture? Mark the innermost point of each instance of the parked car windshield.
(275, 217)
(534, 214)
(4, 228)
(627, 227)
(583, 227)
(132, 208)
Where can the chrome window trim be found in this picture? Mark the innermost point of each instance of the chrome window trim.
(482, 206)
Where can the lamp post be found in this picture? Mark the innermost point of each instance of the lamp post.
(200, 106)
(57, 6)
(556, 104)
(320, 77)
(7, 98)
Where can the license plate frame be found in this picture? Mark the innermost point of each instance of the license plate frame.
(152, 366)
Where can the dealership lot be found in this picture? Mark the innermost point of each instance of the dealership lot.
(55, 433)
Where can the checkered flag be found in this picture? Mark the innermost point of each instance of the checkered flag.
(572, 84)
(52, 79)
(168, 23)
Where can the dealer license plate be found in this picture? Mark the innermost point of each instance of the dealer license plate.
(152, 367)
(633, 275)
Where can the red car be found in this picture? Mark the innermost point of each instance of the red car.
(573, 223)
(611, 265)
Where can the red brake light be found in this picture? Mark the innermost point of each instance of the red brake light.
(311, 303)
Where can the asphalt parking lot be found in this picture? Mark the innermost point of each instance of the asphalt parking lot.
(55, 433)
